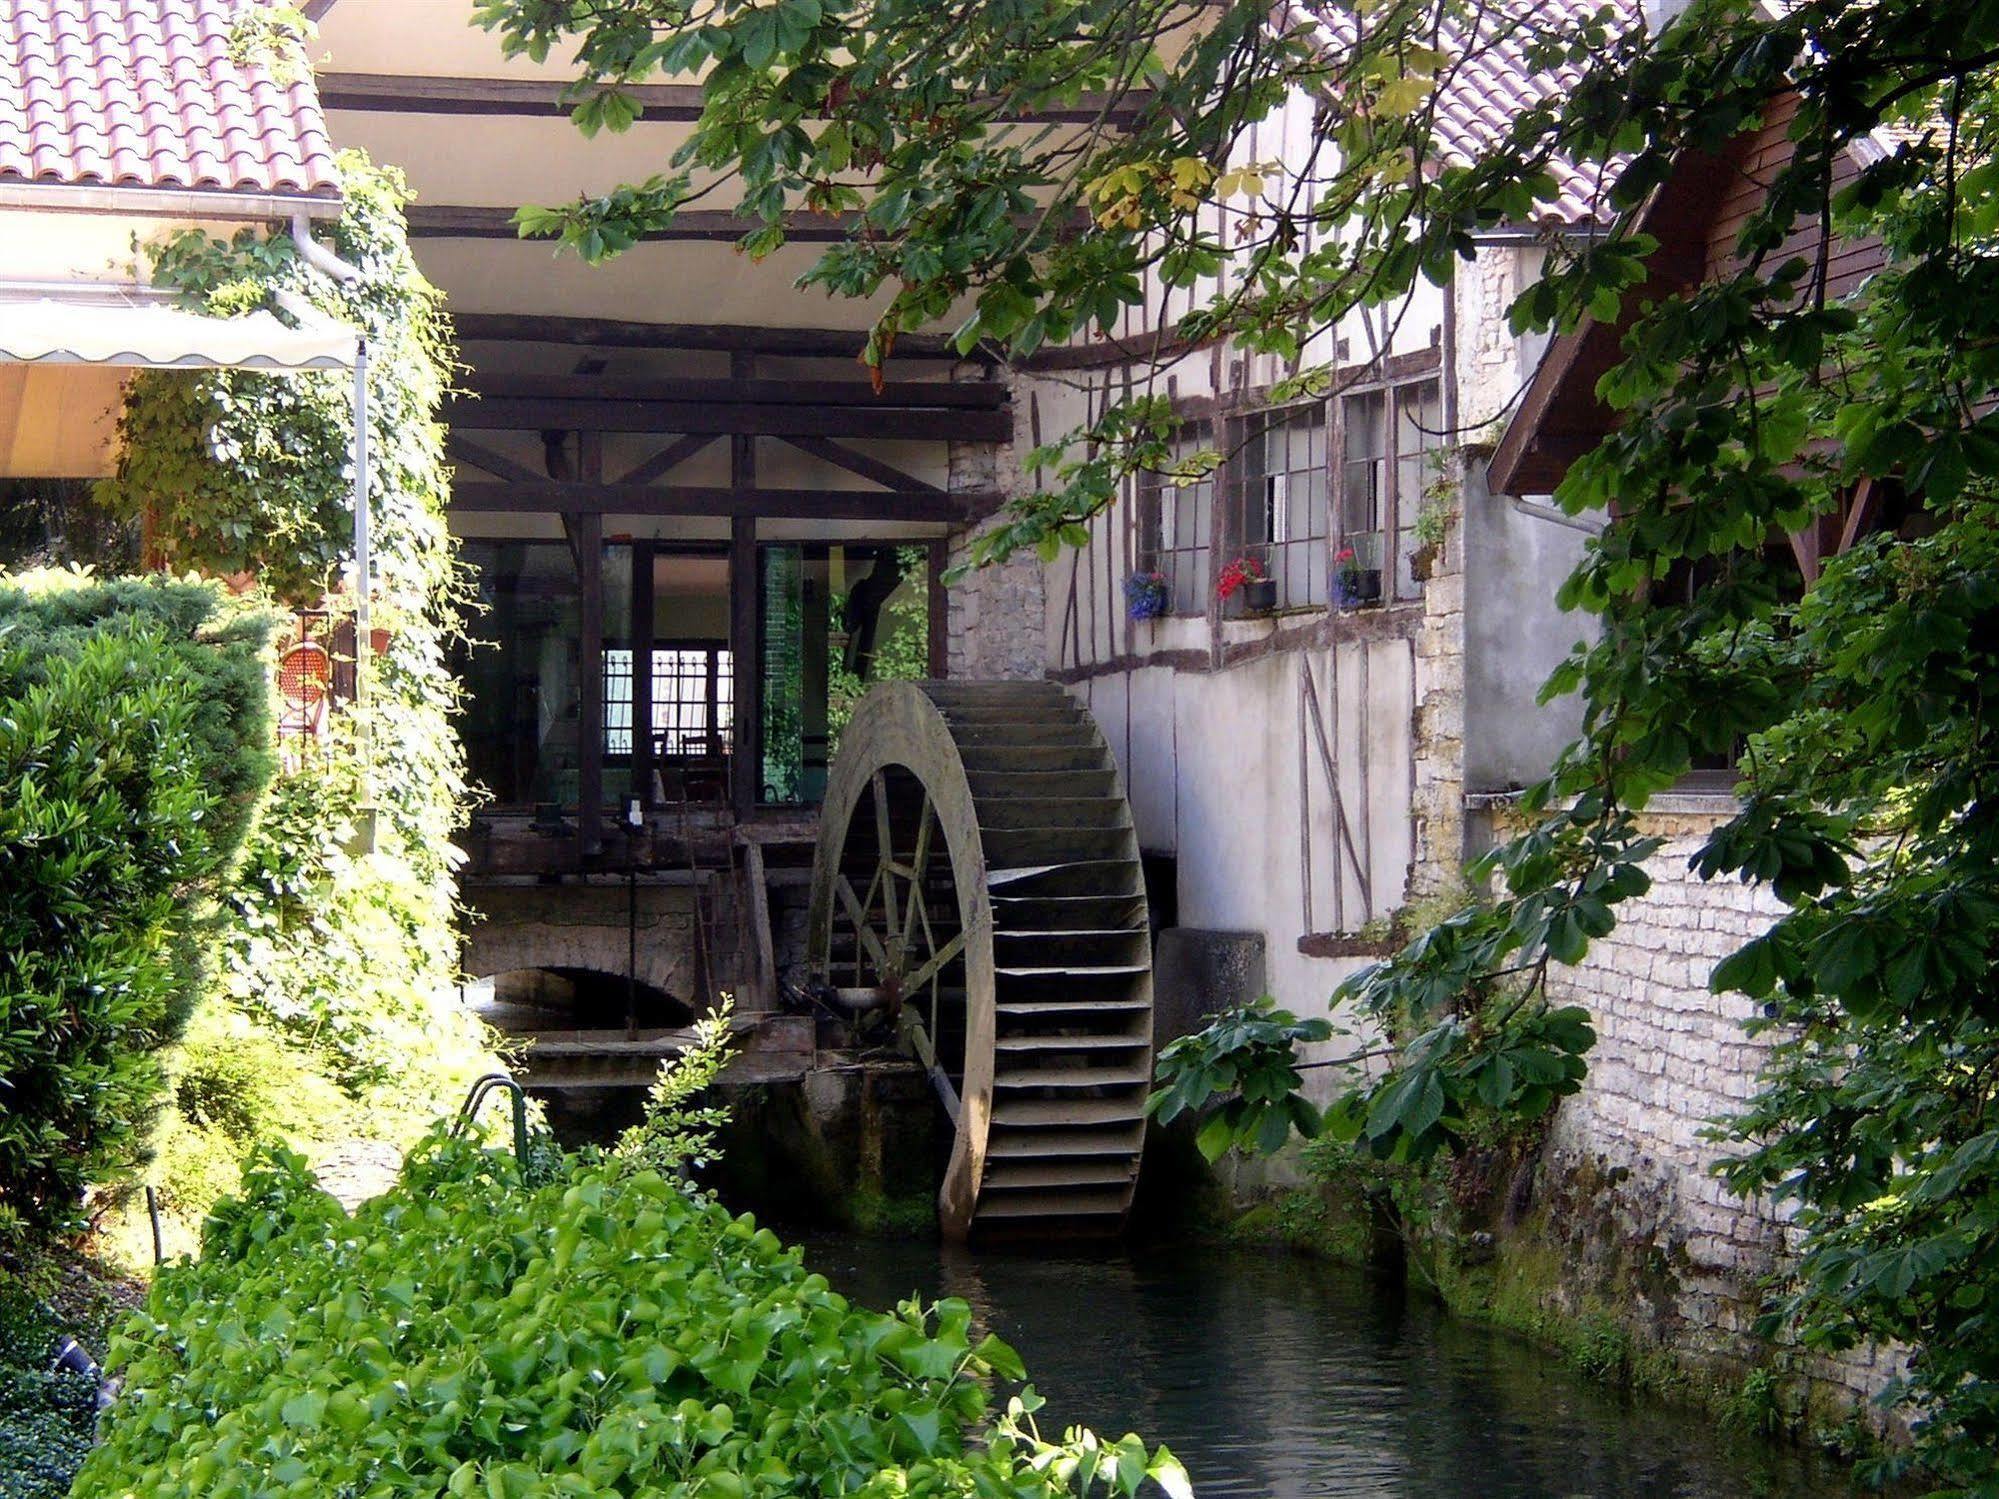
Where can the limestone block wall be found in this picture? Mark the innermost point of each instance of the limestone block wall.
(1627, 1177)
(993, 621)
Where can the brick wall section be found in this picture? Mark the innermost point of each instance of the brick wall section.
(1627, 1169)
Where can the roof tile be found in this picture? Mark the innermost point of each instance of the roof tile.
(1491, 82)
(142, 93)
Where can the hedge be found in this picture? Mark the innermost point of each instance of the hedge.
(608, 1333)
(134, 748)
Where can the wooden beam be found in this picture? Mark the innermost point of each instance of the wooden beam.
(885, 474)
(400, 93)
(745, 646)
(723, 338)
(491, 221)
(553, 496)
(641, 643)
(510, 414)
(588, 532)
(484, 221)
(929, 395)
(463, 450)
(939, 620)
(667, 459)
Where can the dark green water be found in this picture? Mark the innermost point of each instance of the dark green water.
(1280, 1377)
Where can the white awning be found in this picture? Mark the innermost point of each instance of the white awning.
(153, 336)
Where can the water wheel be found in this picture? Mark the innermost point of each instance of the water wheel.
(977, 874)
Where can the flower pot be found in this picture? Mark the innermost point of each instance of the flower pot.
(1259, 596)
(1357, 586)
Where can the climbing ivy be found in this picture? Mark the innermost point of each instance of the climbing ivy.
(343, 944)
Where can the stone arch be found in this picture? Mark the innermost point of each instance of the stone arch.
(585, 928)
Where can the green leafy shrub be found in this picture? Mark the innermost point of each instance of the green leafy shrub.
(608, 1334)
(134, 746)
(46, 1417)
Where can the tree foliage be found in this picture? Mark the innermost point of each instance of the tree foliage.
(134, 749)
(1751, 406)
(606, 1334)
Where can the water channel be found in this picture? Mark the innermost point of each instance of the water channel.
(1281, 1378)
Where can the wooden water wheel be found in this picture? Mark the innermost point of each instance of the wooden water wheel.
(978, 874)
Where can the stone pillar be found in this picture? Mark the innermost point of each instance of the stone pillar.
(1438, 801)
(995, 618)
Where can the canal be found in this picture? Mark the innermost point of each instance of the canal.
(1281, 1377)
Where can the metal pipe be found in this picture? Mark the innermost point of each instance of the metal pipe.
(316, 255)
(198, 203)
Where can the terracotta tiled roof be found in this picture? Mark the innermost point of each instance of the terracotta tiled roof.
(1490, 83)
(142, 93)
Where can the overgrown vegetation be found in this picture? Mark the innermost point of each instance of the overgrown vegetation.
(608, 1333)
(1767, 401)
(338, 959)
(134, 749)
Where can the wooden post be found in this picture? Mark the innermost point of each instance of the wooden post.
(587, 531)
(939, 558)
(745, 763)
(641, 643)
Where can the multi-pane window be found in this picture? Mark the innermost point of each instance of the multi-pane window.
(1175, 526)
(1389, 439)
(1279, 512)
(693, 694)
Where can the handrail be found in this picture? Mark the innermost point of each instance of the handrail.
(491, 1083)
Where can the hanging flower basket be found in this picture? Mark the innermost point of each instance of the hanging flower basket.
(1145, 595)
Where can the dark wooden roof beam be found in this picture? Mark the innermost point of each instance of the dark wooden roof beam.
(549, 496)
(668, 458)
(434, 94)
(509, 414)
(909, 394)
(721, 338)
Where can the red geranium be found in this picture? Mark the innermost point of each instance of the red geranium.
(1239, 572)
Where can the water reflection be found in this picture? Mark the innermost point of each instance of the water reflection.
(1283, 1378)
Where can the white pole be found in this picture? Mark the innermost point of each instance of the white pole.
(361, 582)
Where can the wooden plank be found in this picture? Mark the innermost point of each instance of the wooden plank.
(671, 103)
(573, 498)
(979, 395)
(667, 458)
(641, 643)
(616, 333)
(761, 943)
(838, 454)
(728, 418)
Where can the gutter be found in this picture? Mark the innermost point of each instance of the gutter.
(201, 203)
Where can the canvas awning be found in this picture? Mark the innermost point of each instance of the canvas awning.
(154, 336)
(66, 352)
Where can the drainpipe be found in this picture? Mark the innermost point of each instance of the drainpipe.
(321, 259)
(1559, 517)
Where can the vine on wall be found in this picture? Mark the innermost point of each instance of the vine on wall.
(348, 954)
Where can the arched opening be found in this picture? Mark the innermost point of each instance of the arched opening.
(527, 1001)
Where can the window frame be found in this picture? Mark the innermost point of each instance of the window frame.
(1150, 491)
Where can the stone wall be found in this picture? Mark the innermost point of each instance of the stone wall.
(1626, 1183)
(1437, 822)
(994, 619)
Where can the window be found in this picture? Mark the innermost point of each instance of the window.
(1386, 466)
(693, 692)
(1279, 510)
(1175, 522)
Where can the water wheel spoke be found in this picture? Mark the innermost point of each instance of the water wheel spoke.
(936, 961)
(919, 864)
(885, 851)
(863, 928)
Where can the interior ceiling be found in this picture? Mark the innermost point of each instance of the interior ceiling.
(504, 162)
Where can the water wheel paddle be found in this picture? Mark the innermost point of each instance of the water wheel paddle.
(977, 873)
